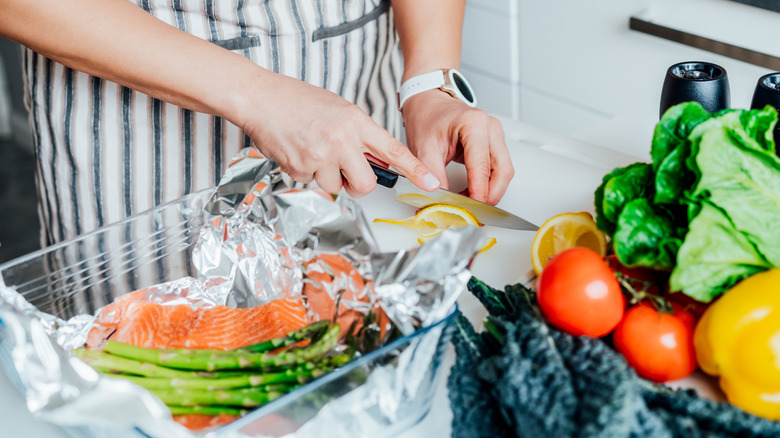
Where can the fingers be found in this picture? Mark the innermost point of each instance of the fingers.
(434, 158)
(381, 144)
(488, 162)
(502, 169)
(347, 168)
(476, 155)
(359, 179)
(329, 179)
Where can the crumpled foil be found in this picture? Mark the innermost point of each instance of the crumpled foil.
(261, 228)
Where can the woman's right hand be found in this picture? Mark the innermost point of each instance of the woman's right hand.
(316, 135)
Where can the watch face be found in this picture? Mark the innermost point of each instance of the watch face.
(463, 87)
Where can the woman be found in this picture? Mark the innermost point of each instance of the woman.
(135, 103)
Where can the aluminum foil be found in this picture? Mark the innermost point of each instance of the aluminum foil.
(261, 229)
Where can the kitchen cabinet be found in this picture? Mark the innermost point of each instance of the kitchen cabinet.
(490, 54)
(575, 68)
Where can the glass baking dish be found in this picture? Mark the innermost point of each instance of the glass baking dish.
(379, 394)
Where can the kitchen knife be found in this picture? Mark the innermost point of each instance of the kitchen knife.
(410, 194)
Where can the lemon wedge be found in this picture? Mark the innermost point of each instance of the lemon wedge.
(432, 219)
(565, 231)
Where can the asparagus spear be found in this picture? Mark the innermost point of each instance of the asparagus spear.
(105, 362)
(206, 410)
(212, 360)
(312, 331)
(291, 376)
(334, 361)
(247, 398)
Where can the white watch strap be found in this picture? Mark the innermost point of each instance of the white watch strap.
(418, 84)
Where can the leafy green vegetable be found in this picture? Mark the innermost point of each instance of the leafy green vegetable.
(537, 381)
(646, 236)
(714, 257)
(475, 414)
(673, 129)
(672, 176)
(617, 189)
(760, 126)
(719, 166)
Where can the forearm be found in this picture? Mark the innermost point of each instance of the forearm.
(118, 41)
(430, 34)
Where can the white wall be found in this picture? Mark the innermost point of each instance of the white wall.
(579, 70)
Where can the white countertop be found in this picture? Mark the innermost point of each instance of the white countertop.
(554, 174)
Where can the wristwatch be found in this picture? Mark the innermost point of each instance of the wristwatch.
(448, 80)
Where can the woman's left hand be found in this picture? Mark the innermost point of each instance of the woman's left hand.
(440, 128)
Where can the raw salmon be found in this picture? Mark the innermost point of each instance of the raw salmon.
(133, 319)
(199, 421)
(332, 275)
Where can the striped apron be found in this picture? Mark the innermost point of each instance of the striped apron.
(105, 152)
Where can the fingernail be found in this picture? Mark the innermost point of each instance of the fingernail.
(431, 182)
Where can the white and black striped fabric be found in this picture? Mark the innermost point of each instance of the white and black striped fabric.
(105, 152)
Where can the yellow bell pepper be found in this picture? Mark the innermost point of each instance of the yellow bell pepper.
(738, 339)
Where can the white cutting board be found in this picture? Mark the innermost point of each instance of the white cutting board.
(545, 184)
(553, 174)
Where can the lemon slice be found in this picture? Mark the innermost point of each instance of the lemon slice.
(435, 218)
(432, 219)
(565, 231)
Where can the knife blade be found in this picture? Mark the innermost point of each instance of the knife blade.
(410, 194)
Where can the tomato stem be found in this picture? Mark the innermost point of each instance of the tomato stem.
(635, 296)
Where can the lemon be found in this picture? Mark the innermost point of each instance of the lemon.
(432, 219)
(565, 231)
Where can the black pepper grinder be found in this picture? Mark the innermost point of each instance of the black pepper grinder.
(703, 82)
(768, 93)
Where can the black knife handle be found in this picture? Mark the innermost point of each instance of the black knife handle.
(384, 177)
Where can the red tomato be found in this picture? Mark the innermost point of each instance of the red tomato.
(579, 294)
(658, 345)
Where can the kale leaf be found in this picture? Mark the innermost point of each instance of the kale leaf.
(533, 380)
(475, 414)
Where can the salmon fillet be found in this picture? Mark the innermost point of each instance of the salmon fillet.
(199, 421)
(132, 319)
(332, 274)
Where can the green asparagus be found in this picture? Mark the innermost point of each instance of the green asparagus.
(106, 362)
(213, 382)
(290, 376)
(312, 331)
(206, 410)
(212, 360)
(247, 397)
